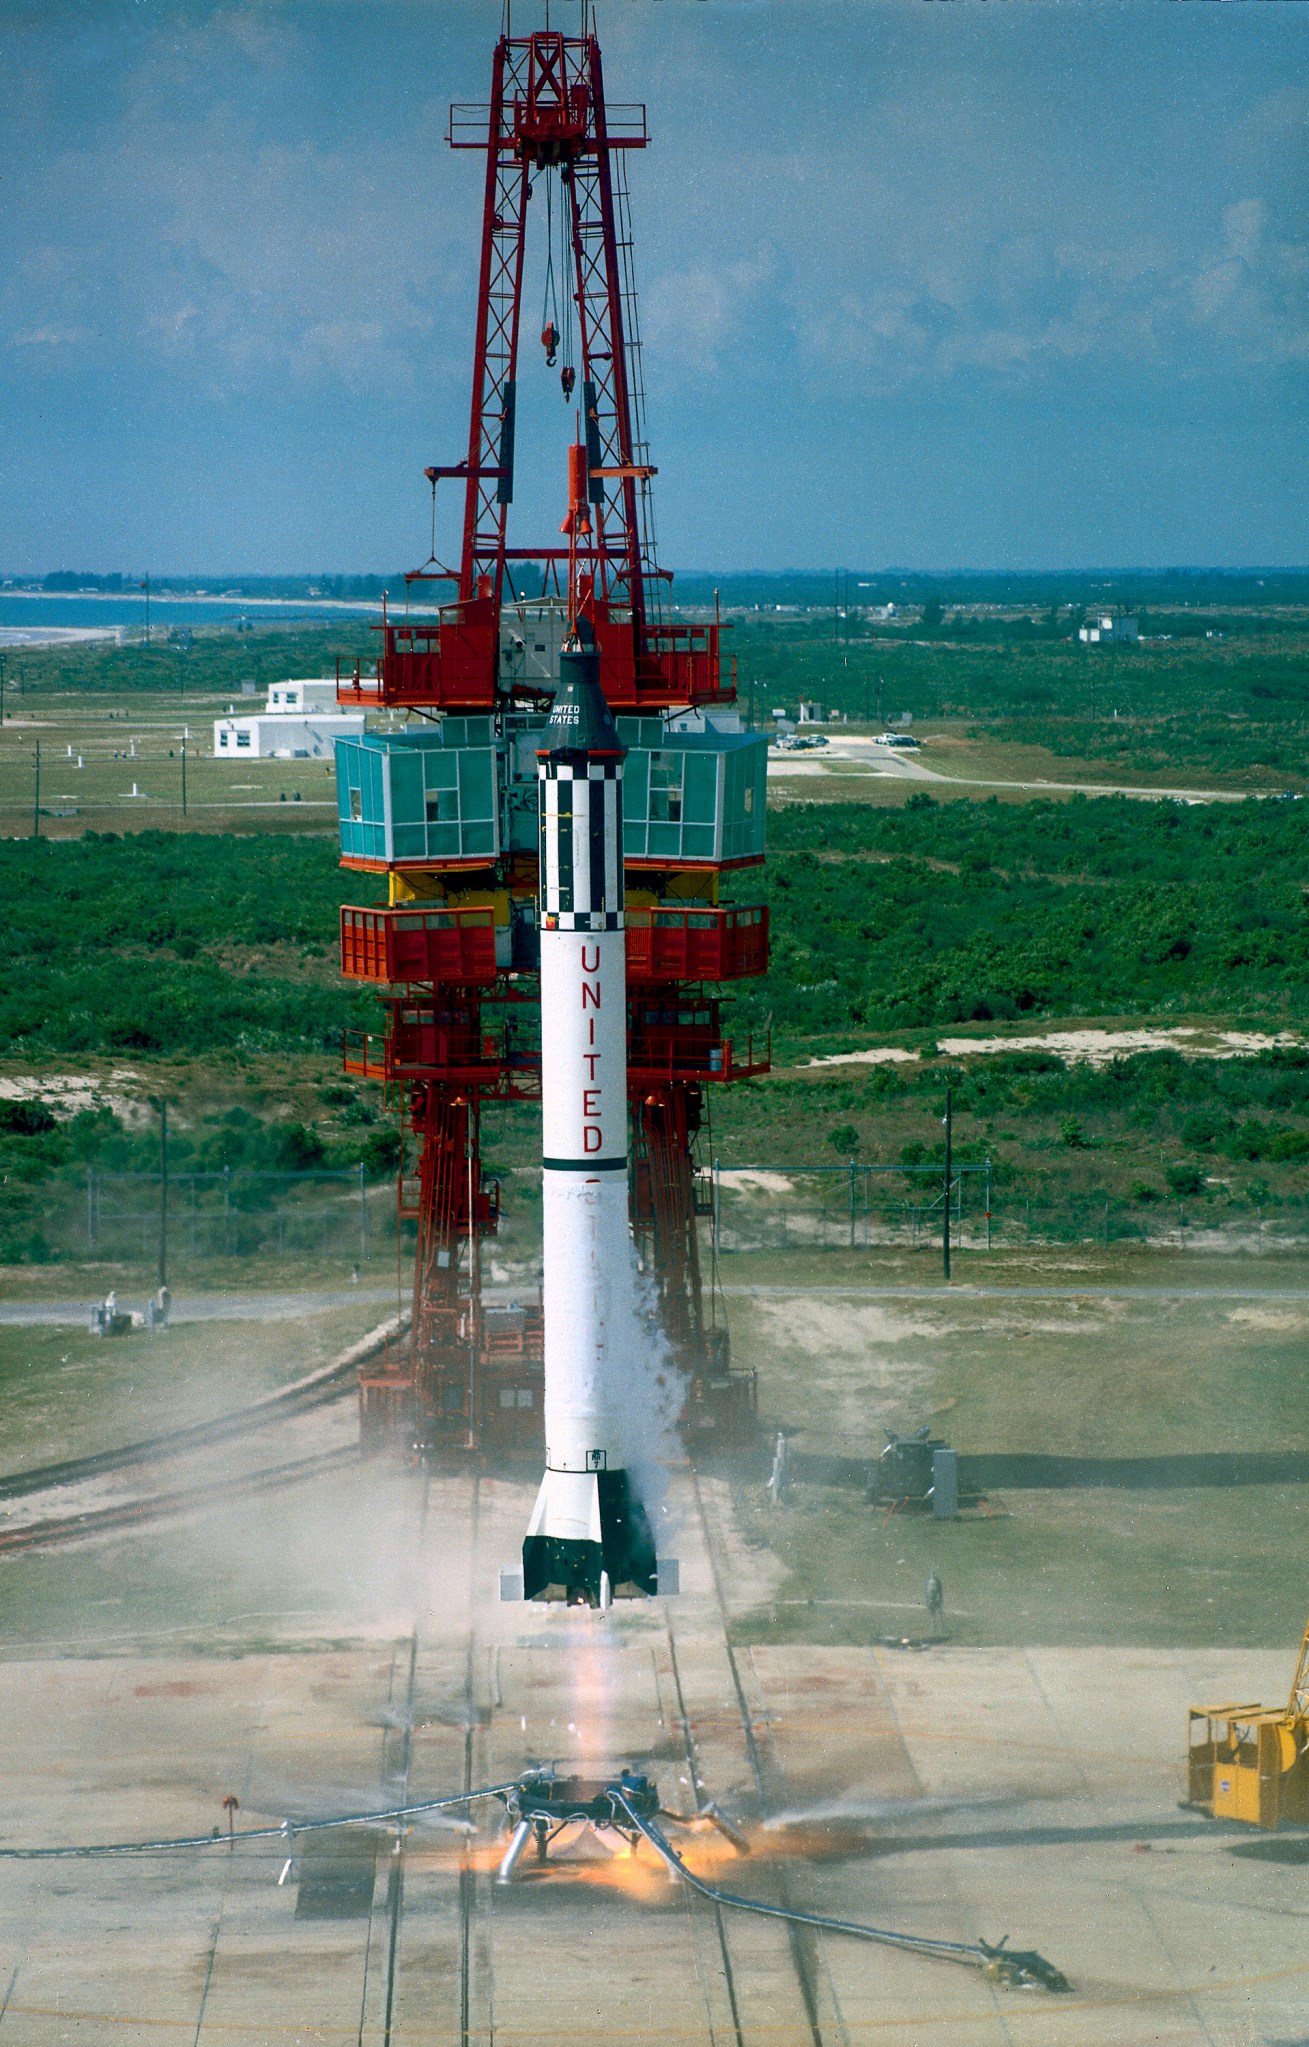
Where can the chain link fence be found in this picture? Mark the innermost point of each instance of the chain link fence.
(859, 1207)
(236, 1213)
(340, 1214)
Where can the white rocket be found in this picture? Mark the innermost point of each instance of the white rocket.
(589, 1538)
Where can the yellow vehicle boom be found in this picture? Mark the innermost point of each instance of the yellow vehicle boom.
(1251, 1763)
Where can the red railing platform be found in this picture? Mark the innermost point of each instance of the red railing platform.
(654, 1056)
(696, 944)
(410, 943)
(452, 662)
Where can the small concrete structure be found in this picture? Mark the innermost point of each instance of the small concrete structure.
(1104, 626)
(301, 722)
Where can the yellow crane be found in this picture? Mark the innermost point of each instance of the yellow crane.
(1249, 1762)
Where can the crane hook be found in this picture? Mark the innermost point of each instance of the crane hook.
(568, 377)
(550, 343)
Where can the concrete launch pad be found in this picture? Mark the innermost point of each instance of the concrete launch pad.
(955, 1792)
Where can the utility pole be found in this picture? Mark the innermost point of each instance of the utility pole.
(36, 795)
(949, 1179)
(184, 774)
(2, 687)
(146, 587)
(163, 1193)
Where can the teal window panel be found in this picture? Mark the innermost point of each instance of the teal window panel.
(666, 771)
(636, 785)
(522, 823)
(634, 838)
(443, 806)
(757, 800)
(374, 846)
(406, 788)
(665, 840)
(698, 841)
(700, 789)
(441, 769)
(409, 842)
(479, 838)
(443, 841)
(374, 801)
(477, 784)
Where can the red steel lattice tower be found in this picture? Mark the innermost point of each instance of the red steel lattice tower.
(454, 942)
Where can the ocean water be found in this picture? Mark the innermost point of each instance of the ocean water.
(36, 619)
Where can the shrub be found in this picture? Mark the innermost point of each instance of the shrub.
(1201, 1128)
(381, 1153)
(299, 1149)
(1184, 1179)
(844, 1139)
(25, 1119)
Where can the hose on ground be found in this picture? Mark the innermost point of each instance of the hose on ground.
(284, 1830)
(1020, 1969)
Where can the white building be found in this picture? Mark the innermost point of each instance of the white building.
(1103, 626)
(300, 723)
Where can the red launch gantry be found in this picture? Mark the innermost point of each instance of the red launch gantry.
(446, 808)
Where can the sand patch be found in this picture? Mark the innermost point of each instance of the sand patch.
(747, 1181)
(1269, 1318)
(1086, 1047)
(821, 1327)
(1099, 1047)
(875, 1055)
(67, 1094)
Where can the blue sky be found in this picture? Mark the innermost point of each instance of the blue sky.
(996, 285)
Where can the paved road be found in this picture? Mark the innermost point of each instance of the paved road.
(906, 768)
(1037, 1293)
(288, 1307)
(285, 1307)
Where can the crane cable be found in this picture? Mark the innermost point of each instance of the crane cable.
(550, 304)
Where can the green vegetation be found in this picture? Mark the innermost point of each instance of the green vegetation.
(1093, 1149)
(897, 920)
(946, 913)
(162, 944)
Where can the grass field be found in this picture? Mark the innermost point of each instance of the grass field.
(67, 1393)
(96, 751)
(1174, 1549)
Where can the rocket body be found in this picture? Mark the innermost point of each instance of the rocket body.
(589, 1537)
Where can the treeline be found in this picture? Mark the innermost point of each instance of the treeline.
(216, 661)
(1132, 588)
(347, 589)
